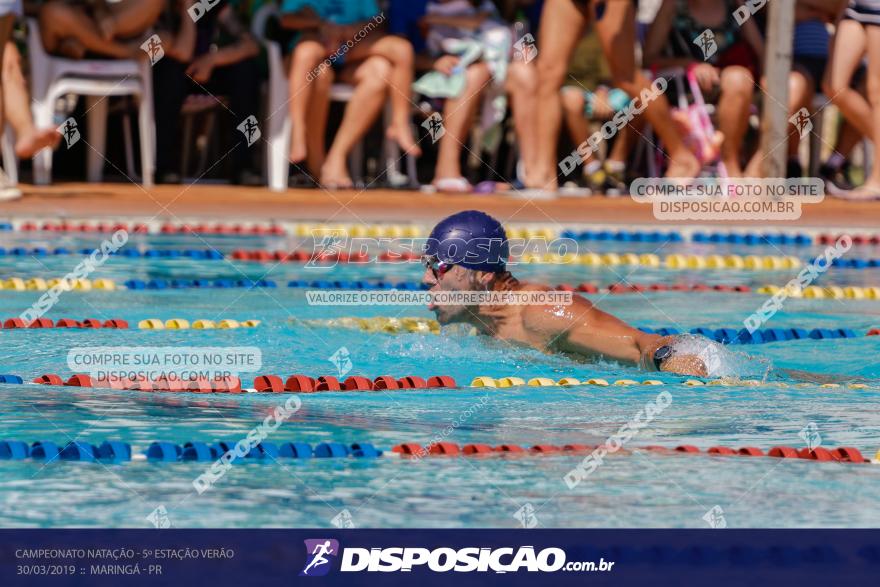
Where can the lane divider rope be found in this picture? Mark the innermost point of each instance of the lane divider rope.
(119, 452)
(103, 284)
(414, 230)
(299, 383)
(406, 324)
(675, 261)
(116, 323)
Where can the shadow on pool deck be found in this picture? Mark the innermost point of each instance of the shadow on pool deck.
(109, 200)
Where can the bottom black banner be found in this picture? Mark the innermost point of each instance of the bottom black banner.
(214, 558)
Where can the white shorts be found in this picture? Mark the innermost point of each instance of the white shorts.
(10, 7)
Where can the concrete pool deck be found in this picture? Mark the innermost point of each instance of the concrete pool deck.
(229, 203)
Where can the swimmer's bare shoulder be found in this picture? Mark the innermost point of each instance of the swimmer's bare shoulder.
(582, 328)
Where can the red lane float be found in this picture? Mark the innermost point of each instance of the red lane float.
(721, 450)
(327, 383)
(268, 383)
(846, 454)
(750, 451)
(783, 452)
(355, 383)
(412, 382)
(476, 449)
(300, 383)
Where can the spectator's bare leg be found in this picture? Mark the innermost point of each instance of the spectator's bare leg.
(847, 139)
(319, 107)
(304, 71)
(871, 188)
(399, 53)
(800, 95)
(522, 86)
(6, 22)
(67, 30)
(130, 18)
(17, 107)
(562, 22)
(847, 49)
(458, 114)
(361, 111)
(737, 89)
(573, 104)
(617, 33)
(625, 141)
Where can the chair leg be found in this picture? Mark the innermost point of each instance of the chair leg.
(97, 124)
(10, 161)
(147, 126)
(43, 115)
(278, 163)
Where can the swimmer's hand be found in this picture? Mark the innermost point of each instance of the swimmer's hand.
(685, 365)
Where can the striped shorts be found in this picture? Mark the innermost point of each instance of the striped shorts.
(866, 12)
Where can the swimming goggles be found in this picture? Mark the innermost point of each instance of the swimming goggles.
(438, 268)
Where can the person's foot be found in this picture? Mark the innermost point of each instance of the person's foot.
(836, 180)
(683, 165)
(869, 191)
(402, 135)
(29, 145)
(334, 176)
(615, 182)
(298, 149)
(453, 185)
(8, 190)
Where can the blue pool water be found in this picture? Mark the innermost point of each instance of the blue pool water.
(634, 490)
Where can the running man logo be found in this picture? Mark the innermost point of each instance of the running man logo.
(715, 517)
(342, 360)
(802, 122)
(434, 125)
(317, 553)
(810, 435)
(706, 42)
(159, 518)
(250, 129)
(526, 516)
(343, 519)
(153, 48)
(327, 243)
(525, 49)
(69, 131)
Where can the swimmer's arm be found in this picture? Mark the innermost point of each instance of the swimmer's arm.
(585, 330)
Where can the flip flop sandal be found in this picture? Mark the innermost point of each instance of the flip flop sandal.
(453, 185)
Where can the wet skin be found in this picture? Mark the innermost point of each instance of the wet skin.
(579, 329)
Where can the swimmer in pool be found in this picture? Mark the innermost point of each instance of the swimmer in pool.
(467, 252)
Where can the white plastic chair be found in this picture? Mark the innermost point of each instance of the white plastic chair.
(278, 119)
(10, 161)
(53, 77)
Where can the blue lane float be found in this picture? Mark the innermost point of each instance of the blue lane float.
(743, 336)
(13, 450)
(45, 451)
(623, 236)
(752, 238)
(169, 452)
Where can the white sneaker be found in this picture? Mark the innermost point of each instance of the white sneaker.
(8, 190)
